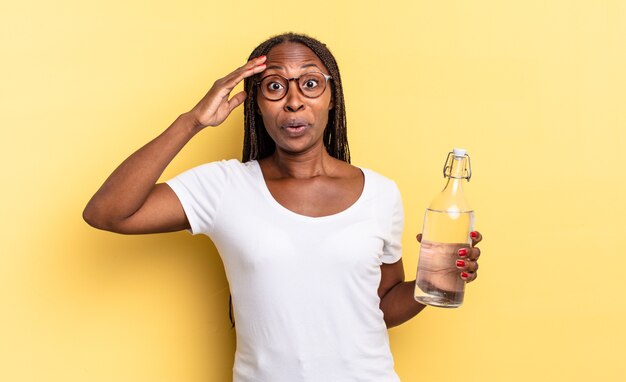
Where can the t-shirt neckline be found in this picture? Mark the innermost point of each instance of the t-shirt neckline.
(270, 198)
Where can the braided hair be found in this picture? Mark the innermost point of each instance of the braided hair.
(257, 142)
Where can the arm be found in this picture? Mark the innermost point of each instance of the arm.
(129, 201)
(396, 295)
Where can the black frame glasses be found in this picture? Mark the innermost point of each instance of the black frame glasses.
(305, 90)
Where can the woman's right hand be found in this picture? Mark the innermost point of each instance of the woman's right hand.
(215, 106)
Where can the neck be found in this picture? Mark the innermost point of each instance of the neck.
(306, 165)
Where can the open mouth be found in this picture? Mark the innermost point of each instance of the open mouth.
(295, 127)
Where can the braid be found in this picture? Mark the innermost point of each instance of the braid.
(257, 142)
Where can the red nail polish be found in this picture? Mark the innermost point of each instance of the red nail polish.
(464, 275)
(460, 263)
(474, 234)
(463, 252)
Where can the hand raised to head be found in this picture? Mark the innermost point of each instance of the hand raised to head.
(215, 106)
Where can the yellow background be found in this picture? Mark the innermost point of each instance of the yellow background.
(535, 90)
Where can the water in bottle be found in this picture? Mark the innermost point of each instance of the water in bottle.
(448, 222)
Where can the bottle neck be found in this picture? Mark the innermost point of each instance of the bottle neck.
(454, 185)
(458, 169)
(452, 197)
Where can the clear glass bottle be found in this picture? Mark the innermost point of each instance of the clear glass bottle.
(447, 225)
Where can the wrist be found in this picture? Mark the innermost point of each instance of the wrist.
(191, 123)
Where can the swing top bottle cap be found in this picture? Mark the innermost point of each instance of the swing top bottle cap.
(459, 152)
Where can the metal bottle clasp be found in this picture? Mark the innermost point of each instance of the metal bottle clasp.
(447, 167)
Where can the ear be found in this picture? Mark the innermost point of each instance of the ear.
(331, 104)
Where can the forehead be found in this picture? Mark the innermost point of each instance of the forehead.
(292, 56)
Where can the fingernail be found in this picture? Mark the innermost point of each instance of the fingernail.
(460, 263)
(464, 275)
(463, 252)
(474, 234)
(261, 57)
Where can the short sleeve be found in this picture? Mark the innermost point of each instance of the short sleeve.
(200, 190)
(392, 249)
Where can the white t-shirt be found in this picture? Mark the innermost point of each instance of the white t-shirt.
(304, 289)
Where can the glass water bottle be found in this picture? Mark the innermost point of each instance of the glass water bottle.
(447, 225)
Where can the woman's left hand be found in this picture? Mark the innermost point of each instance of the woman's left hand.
(467, 262)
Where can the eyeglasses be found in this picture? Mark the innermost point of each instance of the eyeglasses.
(275, 87)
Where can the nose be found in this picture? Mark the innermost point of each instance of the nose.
(293, 99)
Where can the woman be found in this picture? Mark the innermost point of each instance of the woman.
(310, 243)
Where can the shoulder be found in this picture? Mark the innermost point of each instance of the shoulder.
(224, 166)
(382, 191)
(212, 174)
(380, 182)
